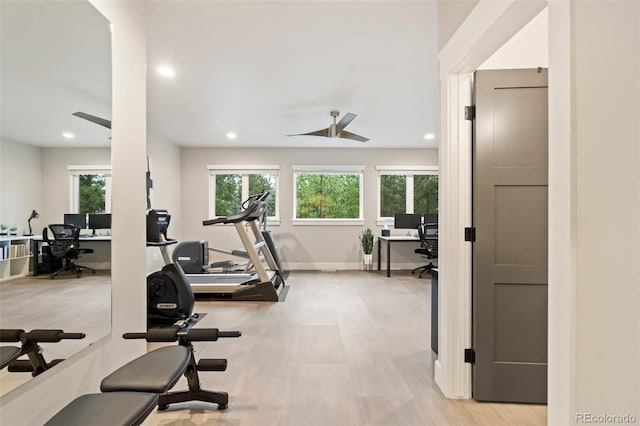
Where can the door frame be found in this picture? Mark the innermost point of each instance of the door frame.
(489, 25)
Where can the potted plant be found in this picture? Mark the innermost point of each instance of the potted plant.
(4, 229)
(366, 240)
(13, 230)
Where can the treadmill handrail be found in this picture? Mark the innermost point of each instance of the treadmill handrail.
(252, 212)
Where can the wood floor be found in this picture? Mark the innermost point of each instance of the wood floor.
(345, 348)
(68, 303)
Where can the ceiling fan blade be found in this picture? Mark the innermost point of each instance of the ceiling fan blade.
(344, 121)
(323, 132)
(348, 135)
(101, 121)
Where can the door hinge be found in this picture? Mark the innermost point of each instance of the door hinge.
(470, 356)
(470, 234)
(470, 112)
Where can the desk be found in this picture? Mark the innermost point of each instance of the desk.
(394, 239)
(389, 240)
(37, 241)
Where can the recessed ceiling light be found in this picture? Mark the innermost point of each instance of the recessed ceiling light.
(429, 136)
(68, 135)
(165, 71)
(231, 135)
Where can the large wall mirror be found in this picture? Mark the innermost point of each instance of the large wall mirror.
(55, 61)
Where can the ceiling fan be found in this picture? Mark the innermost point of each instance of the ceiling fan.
(336, 130)
(101, 121)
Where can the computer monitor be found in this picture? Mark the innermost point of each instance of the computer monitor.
(79, 220)
(406, 220)
(99, 221)
(431, 218)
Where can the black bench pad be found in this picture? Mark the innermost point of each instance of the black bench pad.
(106, 409)
(156, 371)
(8, 354)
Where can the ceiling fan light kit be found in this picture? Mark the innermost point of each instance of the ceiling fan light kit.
(336, 130)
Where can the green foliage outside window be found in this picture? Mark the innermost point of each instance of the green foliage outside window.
(260, 182)
(393, 195)
(228, 194)
(92, 194)
(425, 190)
(327, 196)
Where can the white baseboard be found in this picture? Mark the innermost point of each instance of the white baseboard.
(334, 266)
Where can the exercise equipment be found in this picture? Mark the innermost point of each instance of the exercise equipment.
(169, 297)
(265, 283)
(36, 363)
(126, 378)
(130, 393)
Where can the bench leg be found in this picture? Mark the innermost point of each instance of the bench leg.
(220, 398)
(195, 393)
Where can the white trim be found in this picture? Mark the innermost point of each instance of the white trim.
(82, 168)
(408, 194)
(489, 25)
(74, 184)
(409, 172)
(243, 171)
(407, 169)
(240, 168)
(347, 266)
(328, 169)
(562, 269)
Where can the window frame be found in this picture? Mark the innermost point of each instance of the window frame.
(244, 171)
(317, 169)
(74, 184)
(409, 172)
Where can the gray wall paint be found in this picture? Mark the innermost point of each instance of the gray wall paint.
(20, 184)
(301, 247)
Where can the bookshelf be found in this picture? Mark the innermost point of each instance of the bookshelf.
(15, 256)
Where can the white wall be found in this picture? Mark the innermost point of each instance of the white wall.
(594, 282)
(528, 48)
(594, 183)
(165, 163)
(36, 401)
(451, 13)
(20, 188)
(55, 178)
(300, 247)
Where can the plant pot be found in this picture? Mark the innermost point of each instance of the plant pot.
(367, 261)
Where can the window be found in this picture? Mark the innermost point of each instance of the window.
(90, 189)
(327, 193)
(229, 186)
(407, 189)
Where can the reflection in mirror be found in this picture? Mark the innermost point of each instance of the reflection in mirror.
(55, 61)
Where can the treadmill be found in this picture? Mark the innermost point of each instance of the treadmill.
(265, 283)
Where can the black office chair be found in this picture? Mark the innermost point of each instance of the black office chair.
(66, 246)
(428, 247)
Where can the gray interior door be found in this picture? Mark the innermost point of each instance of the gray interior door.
(510, 250)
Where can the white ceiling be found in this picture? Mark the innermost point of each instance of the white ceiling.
(260, 69)
(56, 60)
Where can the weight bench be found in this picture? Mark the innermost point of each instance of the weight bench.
(30, 347)
(112, 409)
(131, 392)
